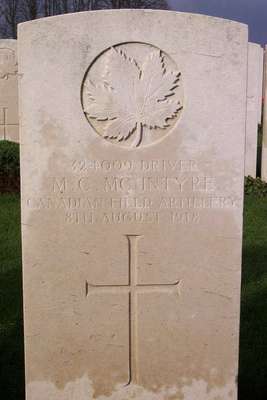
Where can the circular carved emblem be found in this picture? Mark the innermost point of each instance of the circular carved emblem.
(8, 63)
(132, 94)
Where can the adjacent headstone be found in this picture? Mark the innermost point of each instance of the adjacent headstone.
(260, 83)
(133, 130)
(254, 106)
(264, 123)
(9, 119)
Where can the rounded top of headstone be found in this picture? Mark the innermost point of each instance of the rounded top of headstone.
(128, 11)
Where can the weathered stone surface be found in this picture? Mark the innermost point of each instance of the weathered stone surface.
(260, 83)
(264, 127)
(133, 132)
(254, 106)
(9, 125)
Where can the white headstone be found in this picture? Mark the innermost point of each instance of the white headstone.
(260, 83)
(254, 106)
(133, 131)
(9, 125)
(264, 126)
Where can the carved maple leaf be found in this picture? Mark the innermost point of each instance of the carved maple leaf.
(131, 97)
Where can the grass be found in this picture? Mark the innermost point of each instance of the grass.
(11, 338)
(253, 338)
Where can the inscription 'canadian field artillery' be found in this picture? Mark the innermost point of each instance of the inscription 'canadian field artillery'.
(132, 288)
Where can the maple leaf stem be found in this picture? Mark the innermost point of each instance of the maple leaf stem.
(139, 135)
